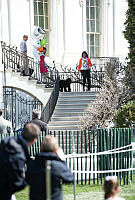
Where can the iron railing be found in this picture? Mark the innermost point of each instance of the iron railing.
(50, 106)
(96, 79)
(99, 65)
(13, 60)
(18, 107)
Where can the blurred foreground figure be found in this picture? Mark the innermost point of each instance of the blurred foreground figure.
(36, 174)
(13, 157)
(111, 188)
(5, 125)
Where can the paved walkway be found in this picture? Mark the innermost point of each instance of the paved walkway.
(85, 196)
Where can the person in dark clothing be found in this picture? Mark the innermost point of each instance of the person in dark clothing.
(36, 120)
(36, 171)
(13, 157)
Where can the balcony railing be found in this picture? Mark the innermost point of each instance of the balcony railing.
(13, 60)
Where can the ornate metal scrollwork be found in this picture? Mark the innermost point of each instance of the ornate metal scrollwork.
(18, 107)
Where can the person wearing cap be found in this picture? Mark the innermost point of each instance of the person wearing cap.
(36, 114)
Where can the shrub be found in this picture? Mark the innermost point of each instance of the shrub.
(125, 116)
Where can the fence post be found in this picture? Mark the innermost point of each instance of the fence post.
(74, 168)
(48, 180)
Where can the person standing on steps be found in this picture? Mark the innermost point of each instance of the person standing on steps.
(84, 68)
(42, 64)
(23, 47)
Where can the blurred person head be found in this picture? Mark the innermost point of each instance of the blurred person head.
(25, 37)
(111, 187)
(30, 133)
(84, 54)
(49, 144)
(44, 50)
(0, 112)
(36, 114)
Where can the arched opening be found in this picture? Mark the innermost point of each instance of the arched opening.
(18, 106)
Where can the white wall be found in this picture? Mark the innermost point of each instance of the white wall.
(15, 17)
(73, 32)
(65, 31)
(19, 20)
(121, 44)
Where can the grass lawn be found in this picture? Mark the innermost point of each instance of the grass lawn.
(85, 192)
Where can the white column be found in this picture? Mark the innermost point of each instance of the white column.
(1, 66)
(4, 28)
(107, 29)
(121, 44)
(31, 26)
(9, 20)
(73, 32)
(113, 27)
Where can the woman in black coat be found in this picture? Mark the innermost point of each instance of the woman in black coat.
(36, 172)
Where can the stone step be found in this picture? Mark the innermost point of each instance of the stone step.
(76, 98)
(69, 114)
(68, 110)
(59, 106)
(40, 86)
(24, 78)
(64, 118)
(23, 83)
(77, 94)
(47, 90)
(68, 127)
(63, 123)
(74, 101)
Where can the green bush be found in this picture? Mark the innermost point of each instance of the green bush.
(126, 115)
(129, 34)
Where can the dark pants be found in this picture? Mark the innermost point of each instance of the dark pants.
(86, 74)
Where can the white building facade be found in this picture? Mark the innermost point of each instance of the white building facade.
(71, 25)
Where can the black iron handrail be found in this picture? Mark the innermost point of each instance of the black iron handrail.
(96, 79)
(99, 65)
(13, 59)
(50, 106)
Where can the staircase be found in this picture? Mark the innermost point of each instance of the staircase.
(30, 86)
(69, 108)
(34, 84)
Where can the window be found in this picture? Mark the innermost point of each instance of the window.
(92, 27)
(41, 17)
